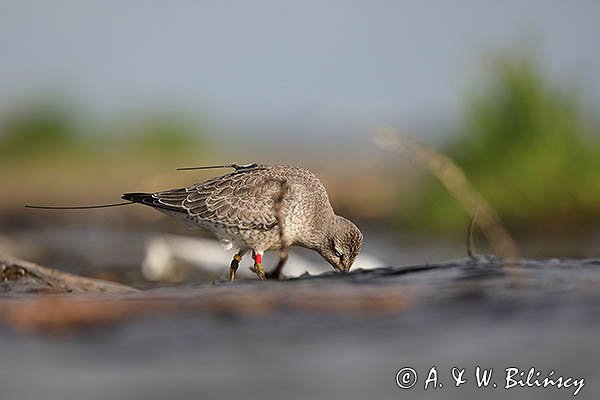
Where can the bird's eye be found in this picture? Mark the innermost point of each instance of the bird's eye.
(338, 253)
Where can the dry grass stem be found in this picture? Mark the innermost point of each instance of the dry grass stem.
(284, 188)
(453, 178)
(470, 235)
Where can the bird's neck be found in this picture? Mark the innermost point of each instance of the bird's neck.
(318, 237)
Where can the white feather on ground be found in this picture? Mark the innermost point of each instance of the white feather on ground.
(166, 253)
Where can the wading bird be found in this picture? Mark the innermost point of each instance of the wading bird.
(239, 208)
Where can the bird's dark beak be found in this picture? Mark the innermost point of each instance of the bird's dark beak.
(346, 266)
(342, 268)
(337, 267)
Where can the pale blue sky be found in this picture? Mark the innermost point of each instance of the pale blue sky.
(313, 67)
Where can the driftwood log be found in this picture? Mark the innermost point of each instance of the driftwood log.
(18, 276)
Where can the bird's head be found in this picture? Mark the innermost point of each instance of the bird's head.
(342, 244)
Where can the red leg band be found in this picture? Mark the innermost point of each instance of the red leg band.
(258, 258)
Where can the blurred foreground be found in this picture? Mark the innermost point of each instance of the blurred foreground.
(335, 336)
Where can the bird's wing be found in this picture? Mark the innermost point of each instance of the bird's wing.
(242, 199)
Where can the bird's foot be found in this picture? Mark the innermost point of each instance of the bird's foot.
(259, 271)
(275, 274)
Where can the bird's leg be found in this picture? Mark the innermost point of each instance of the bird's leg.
(235, 263)
(258, 267)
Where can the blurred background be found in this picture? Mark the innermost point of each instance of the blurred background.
(97, 100)
(102, 98)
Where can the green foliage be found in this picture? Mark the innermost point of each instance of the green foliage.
(51, 132)
(38, 130)
(527, 147)
(164, 136)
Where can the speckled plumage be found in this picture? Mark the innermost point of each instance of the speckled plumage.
(239, 208)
